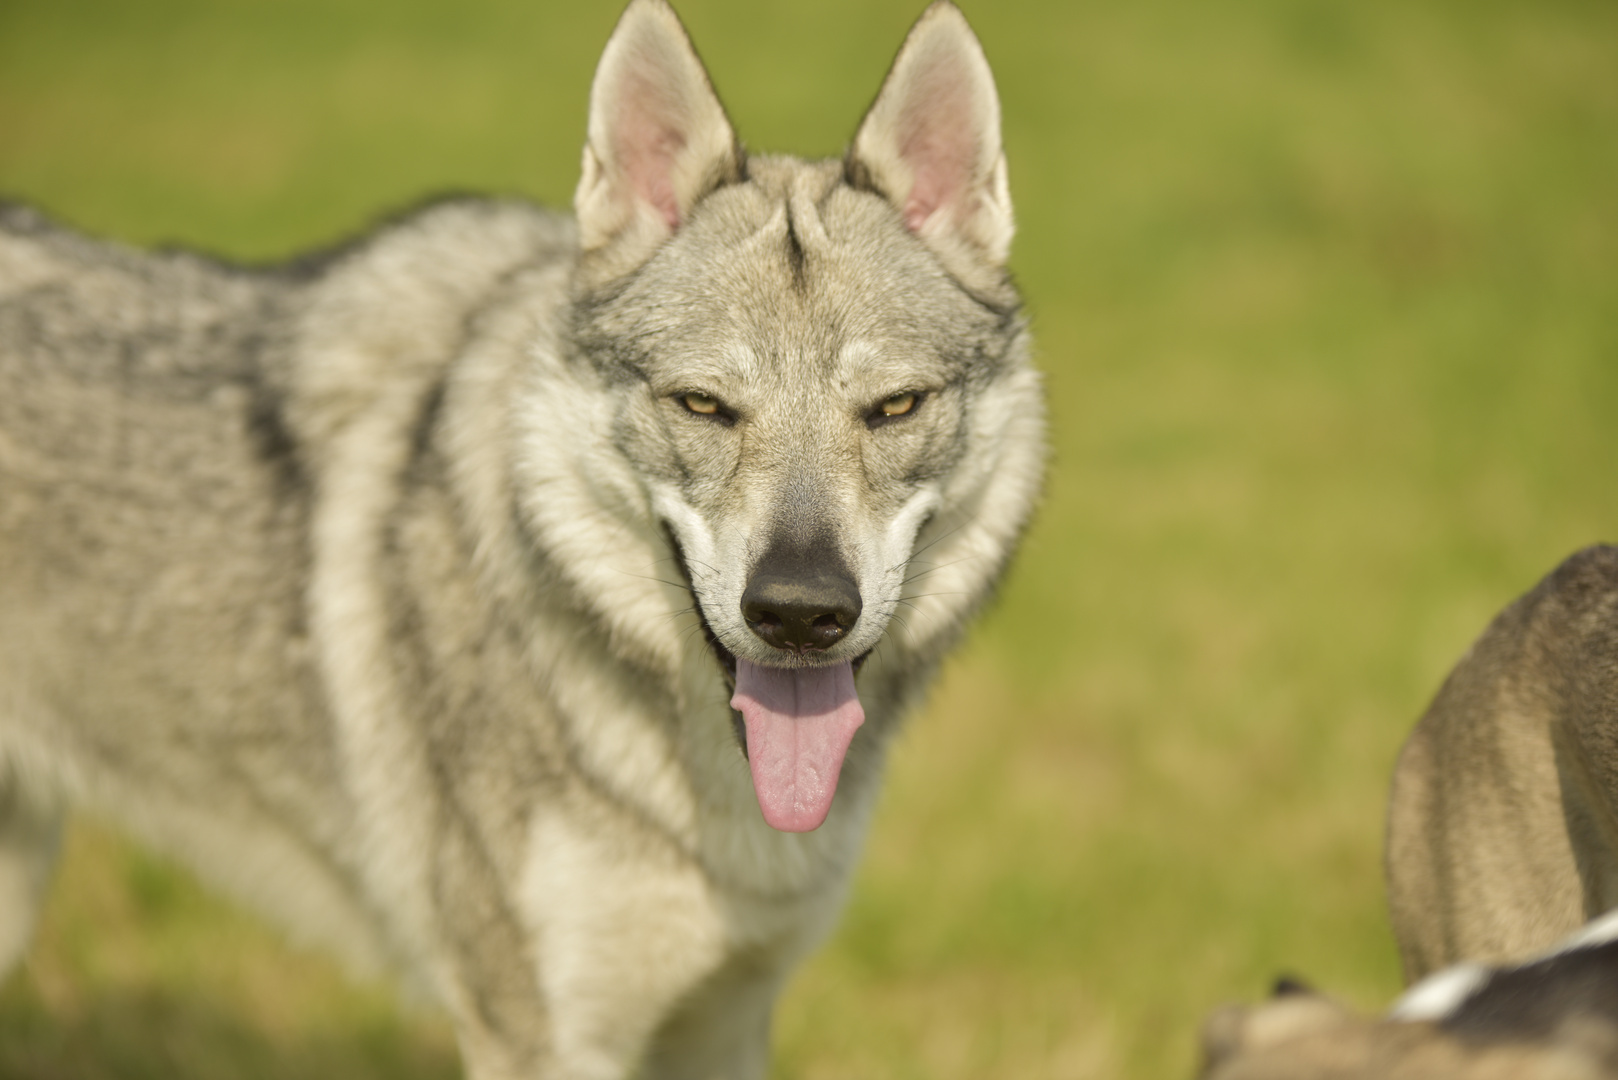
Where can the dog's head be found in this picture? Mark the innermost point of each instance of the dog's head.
(815, 366)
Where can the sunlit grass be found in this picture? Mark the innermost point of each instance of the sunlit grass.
(1327, 295)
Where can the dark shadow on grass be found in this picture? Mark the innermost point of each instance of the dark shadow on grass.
(162, 1036)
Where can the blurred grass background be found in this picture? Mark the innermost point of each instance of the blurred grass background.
(1327, 295)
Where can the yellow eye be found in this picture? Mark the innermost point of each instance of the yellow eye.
(899, 404)
(701, 404)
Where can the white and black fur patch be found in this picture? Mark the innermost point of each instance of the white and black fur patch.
(1527, 1002)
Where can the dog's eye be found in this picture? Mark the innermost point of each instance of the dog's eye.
(701, 404)
(899, 405)
(705, 406)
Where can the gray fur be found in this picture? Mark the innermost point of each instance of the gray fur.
(1307, 1036)
(359, 584)
(1502, 835)
(1552, 1018)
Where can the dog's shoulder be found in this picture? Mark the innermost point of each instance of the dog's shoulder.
(392, 309)
(455, 232)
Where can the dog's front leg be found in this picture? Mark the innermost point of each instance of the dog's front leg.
(721, 1030)
(624, 927)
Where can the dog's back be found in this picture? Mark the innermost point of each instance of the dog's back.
(153, 503)
(153, 515)
(1502, 836)
(160, 454)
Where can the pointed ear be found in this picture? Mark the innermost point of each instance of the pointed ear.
(658, 138)
(931, 141)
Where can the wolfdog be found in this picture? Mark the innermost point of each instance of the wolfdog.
(1503, 835)
(1554, 1017)
(518, 602)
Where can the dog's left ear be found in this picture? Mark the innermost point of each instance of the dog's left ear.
(658, 138)
(931, 141)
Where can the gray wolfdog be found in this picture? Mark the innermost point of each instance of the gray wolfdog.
(1503, 834)
(1554, 1017)
(1502, 858)
(497, 598)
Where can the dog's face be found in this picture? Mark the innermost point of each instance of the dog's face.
(803, 356)
(795, 387)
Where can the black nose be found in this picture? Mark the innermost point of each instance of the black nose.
(799, 614)
(801, 598)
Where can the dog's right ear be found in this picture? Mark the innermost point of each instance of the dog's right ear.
(658, 138)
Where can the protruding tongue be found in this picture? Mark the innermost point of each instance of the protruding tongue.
(799, 724)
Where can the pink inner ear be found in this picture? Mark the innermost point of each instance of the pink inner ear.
(649, 142)
(940, 178)
(938, 142)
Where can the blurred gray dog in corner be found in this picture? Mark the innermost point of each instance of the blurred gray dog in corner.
(1502, 870)
(504, 598)
(1552, 1017)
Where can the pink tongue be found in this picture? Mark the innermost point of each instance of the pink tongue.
(799, 724)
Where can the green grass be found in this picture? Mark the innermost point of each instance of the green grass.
(1327, 295)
